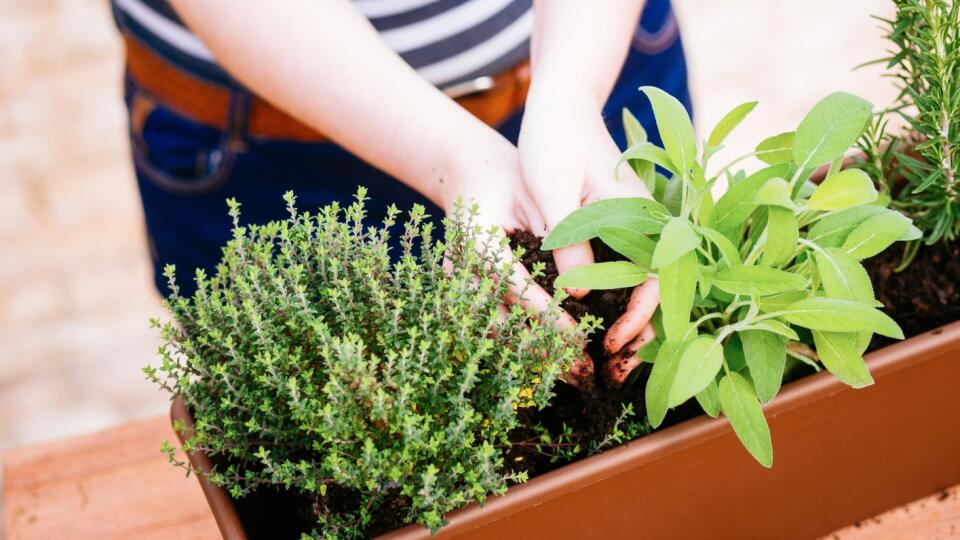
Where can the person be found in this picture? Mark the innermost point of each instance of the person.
(511, 104)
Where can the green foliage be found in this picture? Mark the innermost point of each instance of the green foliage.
(740, 274)
(313, 363)
(925, 62)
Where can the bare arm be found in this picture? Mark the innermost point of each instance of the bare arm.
(567, 154)
(579, 47)
(323, 63)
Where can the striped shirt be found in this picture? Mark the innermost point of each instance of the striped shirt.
(446, 41)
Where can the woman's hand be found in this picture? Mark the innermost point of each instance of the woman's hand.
(488, 173)
(569, 159)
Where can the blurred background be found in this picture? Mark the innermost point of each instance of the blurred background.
(75, 287)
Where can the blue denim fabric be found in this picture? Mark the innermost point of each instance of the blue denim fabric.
(186, 171)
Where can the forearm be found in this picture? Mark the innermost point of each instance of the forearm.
(579, 47)
(322, 62)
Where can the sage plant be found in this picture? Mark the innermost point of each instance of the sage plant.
(770, 270)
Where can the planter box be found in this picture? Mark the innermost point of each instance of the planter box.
(840, 455)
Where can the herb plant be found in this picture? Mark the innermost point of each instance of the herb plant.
(920, 170)
(313, 363)
(768, 271)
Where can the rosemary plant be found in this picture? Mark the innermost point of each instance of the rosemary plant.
(925, 62)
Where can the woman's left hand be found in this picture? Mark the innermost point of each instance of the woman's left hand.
(569, 159)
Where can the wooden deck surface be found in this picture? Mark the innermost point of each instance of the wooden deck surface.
(116, 485)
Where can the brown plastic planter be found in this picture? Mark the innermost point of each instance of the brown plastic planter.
(840, 455)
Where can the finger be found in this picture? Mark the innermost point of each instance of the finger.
(581, 373)
(554, 208)
(648, 334)
(572, 257)
(525, 292)
(643, 303)
(532, 216)
(621, 365)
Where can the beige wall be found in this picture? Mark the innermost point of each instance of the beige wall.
(75, 293)
(787, 54)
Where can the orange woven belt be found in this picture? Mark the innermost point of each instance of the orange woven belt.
(209, 103)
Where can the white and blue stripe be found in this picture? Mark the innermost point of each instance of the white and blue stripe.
(446, 41)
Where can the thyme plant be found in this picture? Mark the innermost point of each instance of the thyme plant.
(313, 363)
(925, 62)
(769, 270)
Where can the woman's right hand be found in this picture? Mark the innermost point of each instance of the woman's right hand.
(488, 173)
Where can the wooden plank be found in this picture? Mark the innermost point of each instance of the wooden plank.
(936, 517)
(114, 484)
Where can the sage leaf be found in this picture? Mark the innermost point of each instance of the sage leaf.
(875, 234)
(709, 399)
(705, 275)
(830, 128)
(834, 228)
(728, 123)
(843, 276)
(673, 195)
(780, 302)
(705, 206)
(834, 315)
(775, 192)
(912, 233)
(642, 215)
(839, 353)
(740, 405)
(766, 355)
(699, 364)
(678, 283)
(736, 205)
(782, 236)
(728, 251)
(757, 280)
(657, 391)
(637, 135)
(648, 152)
(629, 243)
(846, 189)
(676, 240)
(675, 127)
(733, 352)
(605, 275)
(648, 353)
(632, 128)
(806, 189)
(777, 327)
(776, 149)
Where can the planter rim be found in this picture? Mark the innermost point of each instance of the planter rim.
(630, 455)
(660, 444)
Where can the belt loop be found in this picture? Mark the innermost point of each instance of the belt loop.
(238, 119)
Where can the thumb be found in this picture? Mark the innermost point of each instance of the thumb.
(570, 256)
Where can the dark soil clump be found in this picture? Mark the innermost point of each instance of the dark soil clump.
(589, 414)
(923, 297)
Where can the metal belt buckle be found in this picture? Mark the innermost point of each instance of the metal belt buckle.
(467, 88)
